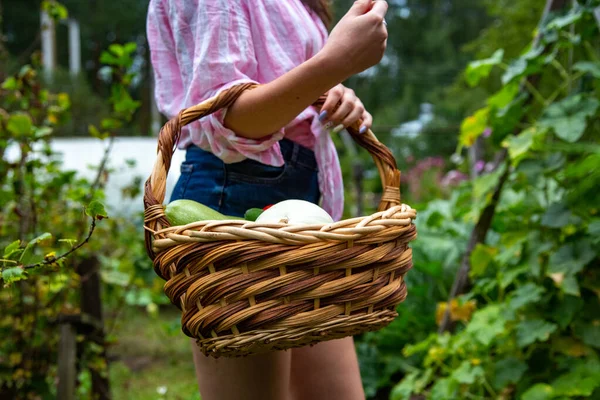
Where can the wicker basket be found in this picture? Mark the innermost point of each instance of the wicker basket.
(246, 288)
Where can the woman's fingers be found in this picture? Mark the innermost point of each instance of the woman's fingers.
(334, 96)
(342, 109)
(367, 122)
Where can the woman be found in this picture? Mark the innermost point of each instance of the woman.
(270, 145)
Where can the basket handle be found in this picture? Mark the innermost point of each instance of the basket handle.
(155, 187)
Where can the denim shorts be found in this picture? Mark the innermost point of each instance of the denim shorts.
(233, 188)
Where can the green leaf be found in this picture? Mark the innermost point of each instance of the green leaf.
(480, 69)
(467, 373)
(588, 332)
(570, 286)
(487, 324)
(129, 47)
(526, 294)
(472, 127)
(96, 210)
(530, 331)
(568, 117)
(540, 391)
(404, 389)
(565, 20)
(519, 145)
(594, 228)
(42, 132)
(11, 83)
(515, 69)
(26, 256)
(558, 216)
(444, 389)
(20, 124)
(484, 185)
(504, 96)
(110, 124)
(571, 258)
(107, 58)
(590, 67)
(582, 380)
(116, 49)
(508, 371)
(11, 249)
(117, 278)
(94, 132)
(13, 274)
(567, 309)
(481, 257)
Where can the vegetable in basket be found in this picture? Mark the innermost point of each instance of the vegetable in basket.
(183, 212)
(295, 212)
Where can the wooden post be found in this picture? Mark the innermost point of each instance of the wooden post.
(91, 306)
(67, 353)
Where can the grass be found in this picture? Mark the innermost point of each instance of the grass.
(154, 358)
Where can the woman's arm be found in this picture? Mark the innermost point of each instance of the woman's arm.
(356, 43)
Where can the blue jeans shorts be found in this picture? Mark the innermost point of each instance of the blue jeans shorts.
(233, 188)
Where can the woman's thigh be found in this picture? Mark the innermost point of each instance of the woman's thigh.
(258, 377)
(327, 370)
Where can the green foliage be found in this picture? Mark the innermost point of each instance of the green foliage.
(49, 225)
(531, 336)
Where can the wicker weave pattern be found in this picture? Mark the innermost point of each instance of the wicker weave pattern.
(245, 288)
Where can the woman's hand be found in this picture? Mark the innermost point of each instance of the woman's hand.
(342, 109)
(359, 39)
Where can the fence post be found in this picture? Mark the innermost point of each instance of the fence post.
(67, 353)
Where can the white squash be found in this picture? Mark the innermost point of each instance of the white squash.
(295, 212)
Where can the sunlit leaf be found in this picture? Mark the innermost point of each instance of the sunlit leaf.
(519, 145)
(481, 69)
(540, 391)
(481, 257)
(11, 83)
(504, 96)
(13, 274)
(20, 124)
(472, 127)
(96, 210)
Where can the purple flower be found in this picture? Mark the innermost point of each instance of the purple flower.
(479, 166)
(487, 132)
(453, 178)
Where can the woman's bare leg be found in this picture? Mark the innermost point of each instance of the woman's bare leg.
(259, 377)
(328, 370)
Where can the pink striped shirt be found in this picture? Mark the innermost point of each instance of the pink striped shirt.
(200, 47)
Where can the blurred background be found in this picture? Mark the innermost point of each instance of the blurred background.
(490, 107)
